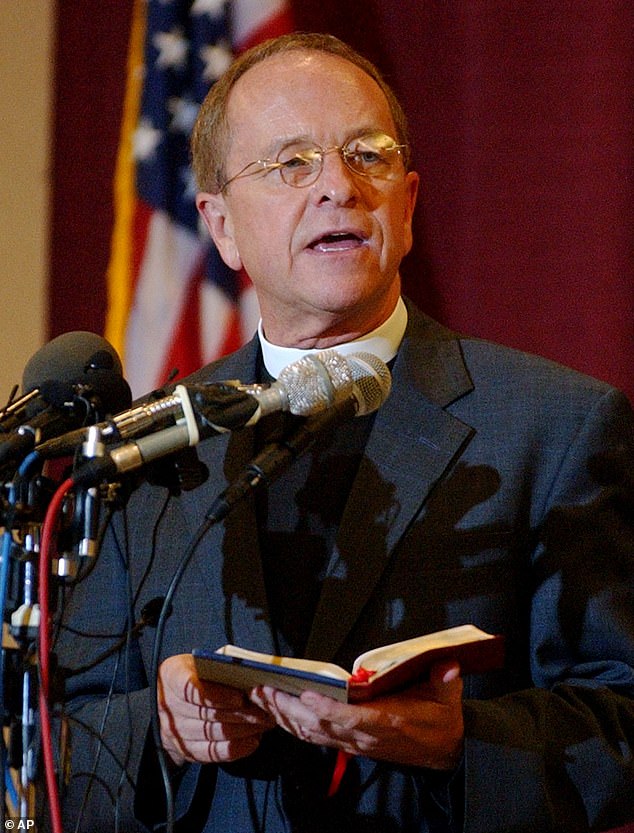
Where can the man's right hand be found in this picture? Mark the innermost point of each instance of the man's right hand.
(203, 721)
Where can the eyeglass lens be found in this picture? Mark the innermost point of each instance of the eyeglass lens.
(375, 155)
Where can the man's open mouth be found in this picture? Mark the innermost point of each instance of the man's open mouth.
(337, 241)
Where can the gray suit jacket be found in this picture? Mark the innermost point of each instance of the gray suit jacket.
(496, 489)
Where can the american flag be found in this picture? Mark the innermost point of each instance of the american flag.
(172, 303)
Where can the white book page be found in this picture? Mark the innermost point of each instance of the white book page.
(381, 659)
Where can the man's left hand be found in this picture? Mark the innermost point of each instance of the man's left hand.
(421, 726)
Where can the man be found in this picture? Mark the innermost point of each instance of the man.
(490, 488)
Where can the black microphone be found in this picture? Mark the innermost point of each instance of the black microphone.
(310, 386)
(276, 457)
(224, 404)
(73, 380)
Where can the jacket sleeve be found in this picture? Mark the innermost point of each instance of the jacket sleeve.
(560, 756)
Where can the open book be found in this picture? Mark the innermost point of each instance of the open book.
(375, 672)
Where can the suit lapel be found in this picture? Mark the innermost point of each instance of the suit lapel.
(412, 444)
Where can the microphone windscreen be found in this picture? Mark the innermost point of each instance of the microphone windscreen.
(78, 359)
(317, 381)
(372, 381)
(71, 357)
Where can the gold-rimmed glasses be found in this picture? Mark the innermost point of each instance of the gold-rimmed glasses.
(373, 155)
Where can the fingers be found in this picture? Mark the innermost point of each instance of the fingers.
(314, 718)
(422, 726)
(205, 722)
(206, 743)
(180, 686)
(446, 683)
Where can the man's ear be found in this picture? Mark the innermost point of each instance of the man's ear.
(216, 216)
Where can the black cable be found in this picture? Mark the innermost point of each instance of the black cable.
(160, 627)
(149, 618)
(92, 563)
(93, 773)
(93, 778)
(94, 732)
(145, 613)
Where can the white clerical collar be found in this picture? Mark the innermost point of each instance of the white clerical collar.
(382, 342)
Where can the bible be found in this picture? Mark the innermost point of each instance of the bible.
(374, 673)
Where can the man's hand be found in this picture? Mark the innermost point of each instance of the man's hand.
(202, 721)
(422, 726)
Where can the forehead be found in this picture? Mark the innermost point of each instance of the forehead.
(305, 94)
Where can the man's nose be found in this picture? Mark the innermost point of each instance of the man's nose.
(336, 182)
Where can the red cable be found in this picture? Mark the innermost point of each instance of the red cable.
(49, 529)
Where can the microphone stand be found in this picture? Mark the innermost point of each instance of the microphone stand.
(25, 505)
(29, 496)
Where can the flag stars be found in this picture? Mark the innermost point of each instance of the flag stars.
(172, 47)
(216, 58)
(214, 8)
(145, 140)
(183, 112)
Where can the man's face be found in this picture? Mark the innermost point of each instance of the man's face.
(324, 259)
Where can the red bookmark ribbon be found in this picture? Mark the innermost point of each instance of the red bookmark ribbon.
(362, 675)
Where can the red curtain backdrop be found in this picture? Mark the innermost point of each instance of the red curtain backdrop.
(522, 118)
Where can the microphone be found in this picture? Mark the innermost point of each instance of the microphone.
(78, 538)
(304, 387)
(276, 457)
(222, 404)
(313, 385)
(74, 379)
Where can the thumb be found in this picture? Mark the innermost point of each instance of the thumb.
(446, 683)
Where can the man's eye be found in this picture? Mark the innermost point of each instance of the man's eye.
(366, 157)
(370, 156)
(299, 160)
